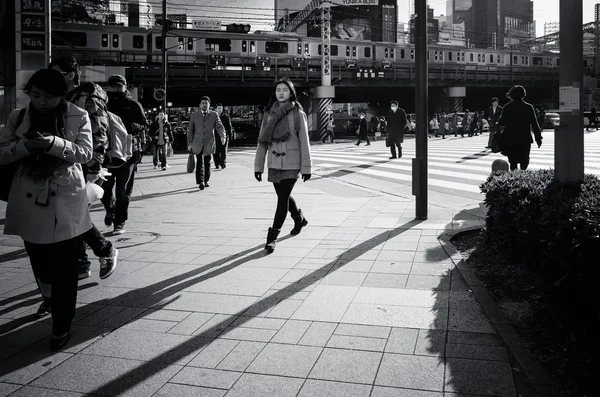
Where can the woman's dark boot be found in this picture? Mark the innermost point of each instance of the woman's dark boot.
(271, 239)
(299, 222)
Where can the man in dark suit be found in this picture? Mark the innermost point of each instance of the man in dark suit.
(201, 139)
(396, 123)
(220, 156)
(493, 116)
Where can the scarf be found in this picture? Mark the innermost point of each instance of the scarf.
(274, 130)
(39, 165)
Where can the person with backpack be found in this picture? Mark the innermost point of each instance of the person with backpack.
(122, 104)
(47, 143)
(93, 99)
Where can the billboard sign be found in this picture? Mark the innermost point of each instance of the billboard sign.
(359, 2)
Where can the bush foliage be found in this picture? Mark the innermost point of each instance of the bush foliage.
(542, 224)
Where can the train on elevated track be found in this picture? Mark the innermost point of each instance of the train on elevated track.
(120, 45)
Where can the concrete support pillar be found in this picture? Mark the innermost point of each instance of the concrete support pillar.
(32, 42)
(456, 96)
(322, 98)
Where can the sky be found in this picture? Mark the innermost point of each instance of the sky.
(259, 13)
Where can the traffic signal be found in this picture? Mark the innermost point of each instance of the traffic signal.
(238, 28)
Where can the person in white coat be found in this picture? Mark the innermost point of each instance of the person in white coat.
(47, 202)
(284, 135)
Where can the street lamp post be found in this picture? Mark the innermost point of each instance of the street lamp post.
(568, 148)
(419, 164)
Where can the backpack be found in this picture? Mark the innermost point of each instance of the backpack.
(120, 142)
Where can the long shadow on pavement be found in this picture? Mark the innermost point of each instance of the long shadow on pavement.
(353, 169)
(474, 156)
(155, 294)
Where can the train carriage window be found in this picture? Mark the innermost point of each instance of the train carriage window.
(75, 39)
(492, 58)
(158, 42)
(115, 41)
(218, 45)
(557, 61)
(299, 49)
(138, 41)
(354, 51)
(103, 41)
(402, 53)
(441, 55)
(190, 44)
(478, 57)
(471, 57)
(412, 54)
(367, 52)
(463, 56)
(515, 60)
(333, 50)
(499, 59)
(449, 56)
(245, 46)
(347, 50)
(180, 42)
(306, 51)
(276, 48)
(391, 53)
(252, 46)
(386, 53)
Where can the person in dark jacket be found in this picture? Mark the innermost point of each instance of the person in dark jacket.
(395, 129)
(493, 116)
(121, 103)
(363, 129)
(160, 135)
(518, 119)
(220, 156)
(93, 99)
(593, 119)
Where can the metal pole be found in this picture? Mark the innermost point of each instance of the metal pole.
(164, 53)
(568, 148)
(419, 176)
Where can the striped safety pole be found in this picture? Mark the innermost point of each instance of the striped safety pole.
(457, 104)
(325, 105)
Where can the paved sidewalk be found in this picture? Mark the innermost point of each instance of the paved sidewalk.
(364, 302)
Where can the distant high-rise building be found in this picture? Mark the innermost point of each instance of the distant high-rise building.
(551, 27)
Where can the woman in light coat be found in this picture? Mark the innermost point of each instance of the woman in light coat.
(47, 204)
(284, 135)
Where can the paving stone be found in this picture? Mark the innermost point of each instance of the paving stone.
(317, 334)
(241, 356)
(394, 267)
(479, 377)
(191, 324)
(213, 327)
(210, 303)
(143, 324)
(350, 279)
(431, 269)
(401, 297)
(396, 316)
(434, 283)
(31, 391)
(379, 391)
(356, 265)
(286, 308)
(101, 315)
(285, 360)
(122, 317)
(431, 342)
(363, 330)
(475, 338)
(321, 388)
(258, 322)
(396, 256)
(7, 388)
(146, 346)
(356, 343)
(255, 385)
(418, 372)
(249, 334)
(213, 353)
(291, 332)
(7, 351)
(346, 366)
(466, 314)
(206, 378)
(111, 376)
(24, 335)
(81, 337)
(224, 285)
(29, 364)
(479, 352)
(326, 303)
(385, 280)
(402, 340)
(174, 390)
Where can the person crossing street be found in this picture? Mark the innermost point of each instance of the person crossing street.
(220, 156)
(395, 129)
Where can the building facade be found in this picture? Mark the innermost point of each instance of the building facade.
(372, 20)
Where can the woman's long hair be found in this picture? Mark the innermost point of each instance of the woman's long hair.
(293, 96)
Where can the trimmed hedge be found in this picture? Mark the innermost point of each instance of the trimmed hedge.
(547, 226)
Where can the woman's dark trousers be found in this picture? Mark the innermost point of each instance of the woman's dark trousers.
(518, 154)
(57, 265)
(395, 144)
(202, 169)
(285, 202)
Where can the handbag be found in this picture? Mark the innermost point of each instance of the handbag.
(388, 140)
(191, 163)
(7, 172)
(169, 149)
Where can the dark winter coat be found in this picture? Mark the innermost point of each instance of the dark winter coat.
(363, 129)
(167, 133)
(396, 124)
(132, 114)
(518, 119)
